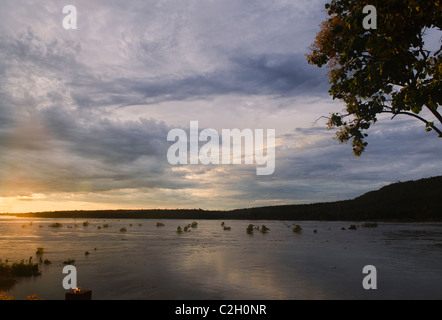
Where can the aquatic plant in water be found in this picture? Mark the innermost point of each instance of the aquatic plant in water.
(69, 261)
(6, 279)
(369, 225)
(250, 229)
(55, 225)
(160, 224)
(25, 269)
(297, 228)
(39, 251)
(19, 269)
(264, 229)
(187, 227)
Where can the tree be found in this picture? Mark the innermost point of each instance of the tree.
(383, 70)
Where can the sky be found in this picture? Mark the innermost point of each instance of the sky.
(85, 113)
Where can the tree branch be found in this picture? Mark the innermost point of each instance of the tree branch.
(428, 123)
(321, 117)
(435, 113)
(424, 53)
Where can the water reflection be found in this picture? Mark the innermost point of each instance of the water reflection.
(150, 262)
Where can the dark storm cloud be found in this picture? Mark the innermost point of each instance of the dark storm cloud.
(247, 74)
(109, 141)
(278, 75)
(274, 75)
(28, 48)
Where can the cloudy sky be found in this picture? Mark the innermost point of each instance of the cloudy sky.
(85, 113)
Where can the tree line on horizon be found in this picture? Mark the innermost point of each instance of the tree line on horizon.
(412, 200)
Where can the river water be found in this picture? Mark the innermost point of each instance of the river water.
(209, 263)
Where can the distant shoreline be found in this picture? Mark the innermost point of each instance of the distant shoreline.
(411, 201)
(152, 214)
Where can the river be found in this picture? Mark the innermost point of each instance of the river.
(145, 262)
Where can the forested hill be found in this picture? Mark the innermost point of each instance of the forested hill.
(403, 201)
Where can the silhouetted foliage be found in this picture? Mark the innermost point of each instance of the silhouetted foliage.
(384, 70)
